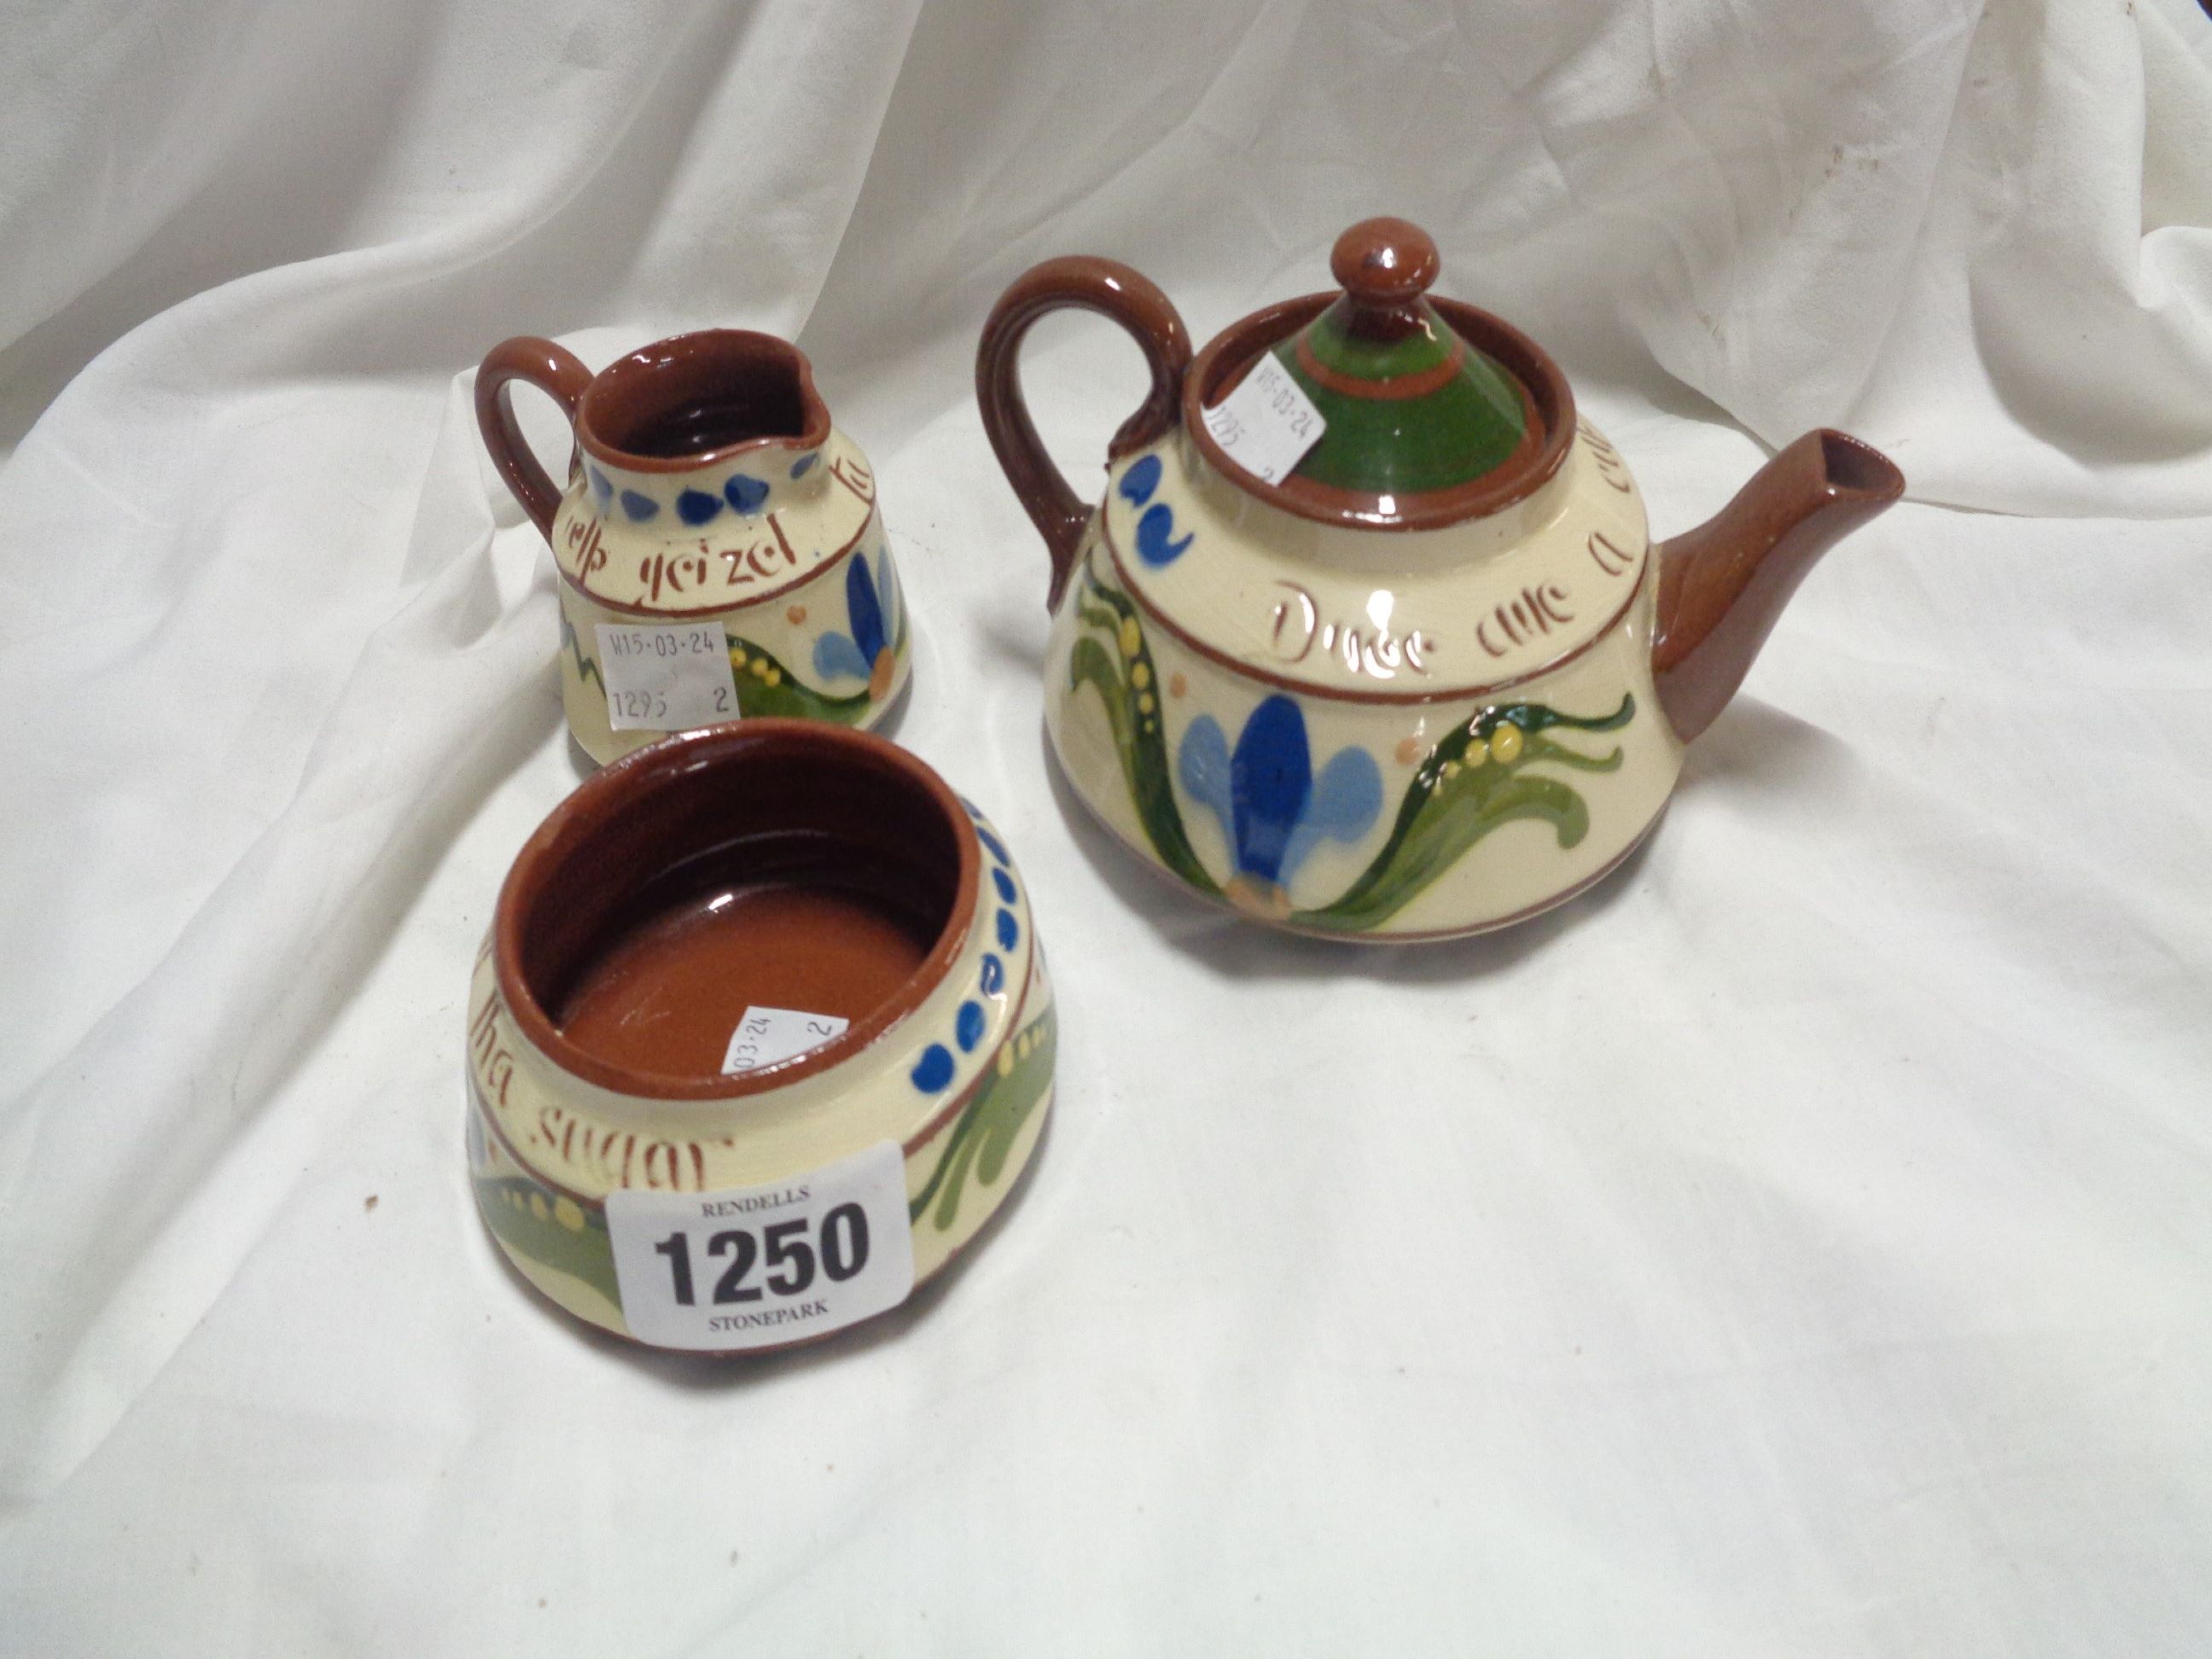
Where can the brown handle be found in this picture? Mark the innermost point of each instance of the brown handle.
(1092, 284)
(556, 372)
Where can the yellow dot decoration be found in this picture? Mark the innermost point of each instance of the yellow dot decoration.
(737, 656)
(566, 1212)
(1006, 1060)
(1140, 675)
(1144, 699)
(537, 1208)
(1132, 638)
(1505, 743)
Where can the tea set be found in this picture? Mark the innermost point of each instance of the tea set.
(1367, 638)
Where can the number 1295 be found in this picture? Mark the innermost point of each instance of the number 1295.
(790, 1258)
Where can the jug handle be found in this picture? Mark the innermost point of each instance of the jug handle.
(553, 370)
(1150, 318)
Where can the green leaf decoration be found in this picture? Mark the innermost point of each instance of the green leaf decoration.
(1132, 713)
(526, 1218)
(991, 1122)
(1473, 780)
(587, 668)
(765, 686)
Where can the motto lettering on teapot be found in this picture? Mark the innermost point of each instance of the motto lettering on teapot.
(1610, 466)
(1369, 646)
(1531, 612)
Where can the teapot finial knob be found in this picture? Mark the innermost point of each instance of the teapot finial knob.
(1384, 262)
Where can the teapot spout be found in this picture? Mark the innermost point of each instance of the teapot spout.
(1721, 587)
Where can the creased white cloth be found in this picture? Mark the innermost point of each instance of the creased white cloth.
(1800, 1245)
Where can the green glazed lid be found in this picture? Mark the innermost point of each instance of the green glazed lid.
(1413, 410)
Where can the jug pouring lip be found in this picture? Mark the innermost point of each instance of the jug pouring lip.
(766, 382)
(1548, 403)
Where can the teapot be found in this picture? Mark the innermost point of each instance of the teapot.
(1379, 646)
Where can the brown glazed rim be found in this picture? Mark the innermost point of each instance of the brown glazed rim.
(628, 385)
(627, 786)
(1217, 369)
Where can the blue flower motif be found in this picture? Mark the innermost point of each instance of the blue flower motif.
(1157, 545)
(800, 467)
(967, 1026)
(865, 652)
(1155, 538)
(1142, 478)
(1272, 808)
(934, 1069)
(1005, 883)
(602, 485)
(745, 494)
(1010, 931)
(998, 851)
(640, 507)
(696, 506)
(992, 978)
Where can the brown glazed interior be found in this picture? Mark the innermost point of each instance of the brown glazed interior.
(780, 863)
(691, 401)
(1548, 403)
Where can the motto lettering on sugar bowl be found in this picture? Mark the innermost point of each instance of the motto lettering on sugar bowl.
(608, 1154)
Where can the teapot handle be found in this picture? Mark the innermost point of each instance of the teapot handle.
(553, 370)
(1150, 318)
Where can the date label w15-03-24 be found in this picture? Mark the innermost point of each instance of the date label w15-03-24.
(666, 677)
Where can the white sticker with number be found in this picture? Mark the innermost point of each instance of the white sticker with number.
(1267, 424)
(754, 1266)
(666, 677)
(766, 1035)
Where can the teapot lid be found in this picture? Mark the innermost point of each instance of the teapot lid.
(1433, 413)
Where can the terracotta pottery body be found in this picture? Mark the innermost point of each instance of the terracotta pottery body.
(1435, 679)
(707, 485)
(775, 864)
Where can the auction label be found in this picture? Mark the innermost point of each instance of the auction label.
(666, 677)
(1267, 424)
(754, 1266)
(768, 1036)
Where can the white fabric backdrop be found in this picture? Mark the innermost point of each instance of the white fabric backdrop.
(1801, 1245)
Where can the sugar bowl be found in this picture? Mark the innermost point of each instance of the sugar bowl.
(760, 1037)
